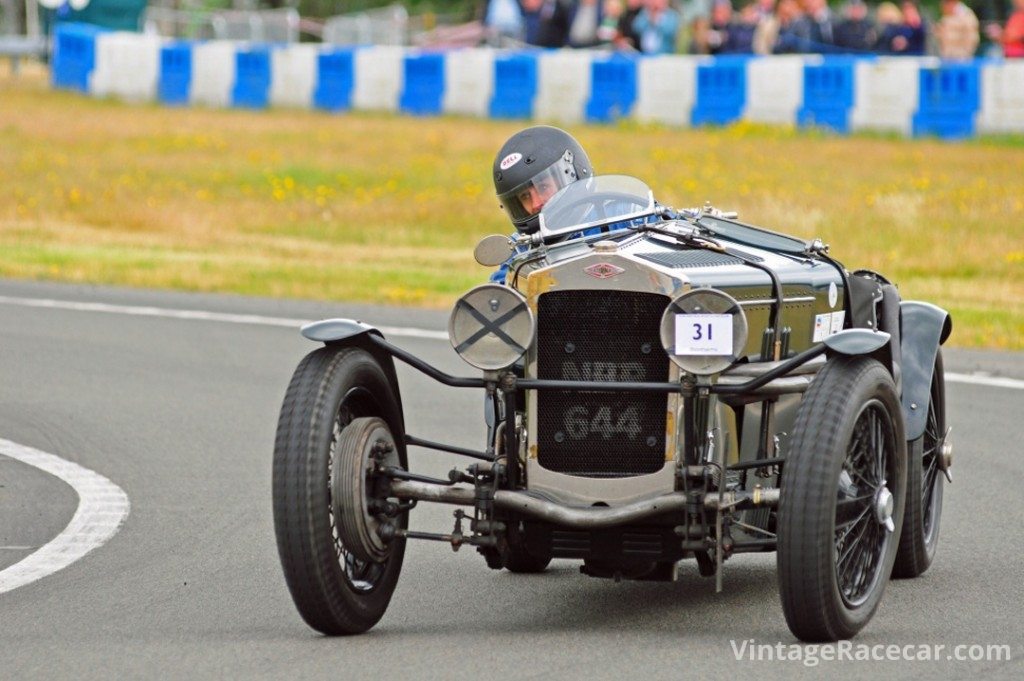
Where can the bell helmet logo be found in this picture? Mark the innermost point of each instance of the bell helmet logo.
(510, 161)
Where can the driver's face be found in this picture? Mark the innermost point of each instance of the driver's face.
(537, 194)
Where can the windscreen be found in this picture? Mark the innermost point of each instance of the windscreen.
(602, 200)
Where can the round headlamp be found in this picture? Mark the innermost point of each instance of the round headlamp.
(704, 331)
(491, 327)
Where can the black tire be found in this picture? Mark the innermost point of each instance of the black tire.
(335, 593)
(834, 558)
(920, 537)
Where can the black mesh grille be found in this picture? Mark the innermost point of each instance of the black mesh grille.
(601, 336)
(693, 258)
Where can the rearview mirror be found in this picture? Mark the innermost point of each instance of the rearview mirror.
(493, 250)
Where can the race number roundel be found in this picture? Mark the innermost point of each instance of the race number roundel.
(704, 331)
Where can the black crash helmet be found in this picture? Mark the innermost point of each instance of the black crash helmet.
(531, 166)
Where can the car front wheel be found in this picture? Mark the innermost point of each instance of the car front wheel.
(333, 426)
(842, 500)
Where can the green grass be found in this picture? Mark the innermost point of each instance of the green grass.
(381, 208)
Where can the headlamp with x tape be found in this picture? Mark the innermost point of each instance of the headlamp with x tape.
(491, 327)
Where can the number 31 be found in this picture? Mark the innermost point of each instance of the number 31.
(698, 331)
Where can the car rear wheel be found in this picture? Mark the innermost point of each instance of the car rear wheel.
(334, 419)
(842, 500)
(920, 536)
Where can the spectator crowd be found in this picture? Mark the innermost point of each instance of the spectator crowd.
(761, 26)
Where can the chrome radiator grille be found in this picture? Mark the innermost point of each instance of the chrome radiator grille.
(601, 336)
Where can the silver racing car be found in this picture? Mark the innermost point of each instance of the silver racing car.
(661, 387)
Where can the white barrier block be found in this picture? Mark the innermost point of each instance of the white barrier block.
(666, 89)
(1000, 121)
(468, 81)
(293, 73)
(563, 85)
(213, 72)
(886, 93)
(775, 89)
(378, 75)
(1002, 98)
(127, 66)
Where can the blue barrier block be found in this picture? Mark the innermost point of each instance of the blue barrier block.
(721, 91)
(613, 89)
(829, 85)
(175, 82)
(252, 78)
(74, 55)
(950, 124)
(828, 94)
(951, 87)
(949, 99)
(515, 86)
(423, 87)
(335, 80)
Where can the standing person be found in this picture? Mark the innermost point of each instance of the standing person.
(820, 23)
(657, 25)
(900, 32)
(627, 38)
(531, 20)
(855, 33)
(915, 29)
(608, 31)
(741, 30)
(553, 23)
(718, 32)
(957, 30)
(584, 24)
(503, 20)
(1011, 36)
(791, 31)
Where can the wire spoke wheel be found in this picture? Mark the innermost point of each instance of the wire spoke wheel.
(842, 500)
(860, 545)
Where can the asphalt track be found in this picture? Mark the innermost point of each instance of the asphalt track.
(180, 412)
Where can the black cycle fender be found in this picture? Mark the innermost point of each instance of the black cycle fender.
(349, 332)
(924, 328)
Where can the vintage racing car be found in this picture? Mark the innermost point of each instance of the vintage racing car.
(660, 386)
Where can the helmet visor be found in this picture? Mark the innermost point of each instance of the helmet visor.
(526, 200)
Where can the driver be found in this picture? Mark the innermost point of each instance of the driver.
(529, 169)
(531, 166)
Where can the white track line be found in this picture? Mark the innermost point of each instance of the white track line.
(102, 509)
(199, 315)
(400, 331)
(991, 381)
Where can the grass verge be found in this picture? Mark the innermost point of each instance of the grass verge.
(382, 208)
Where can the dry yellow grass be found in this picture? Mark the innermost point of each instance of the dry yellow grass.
(387, 208)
